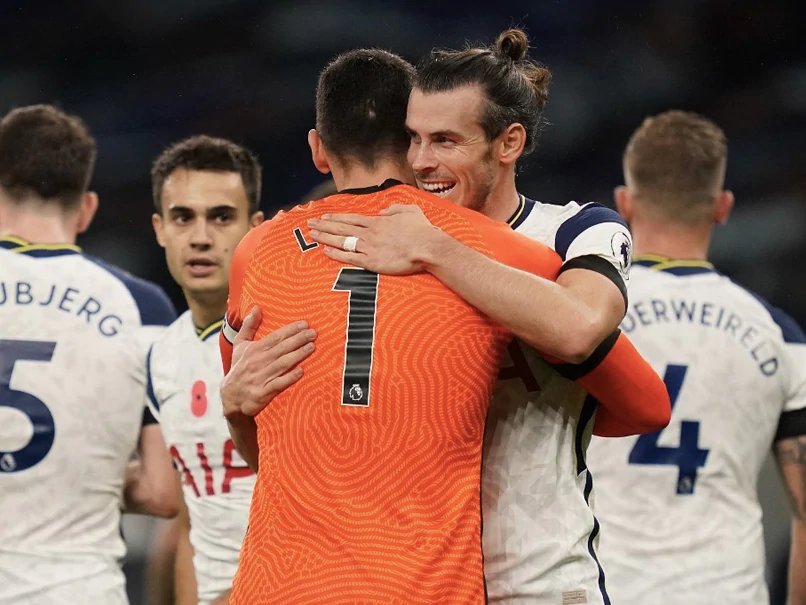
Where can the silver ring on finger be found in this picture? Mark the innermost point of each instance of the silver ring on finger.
(350, 243)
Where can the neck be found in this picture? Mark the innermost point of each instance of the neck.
(503, 200)
(37, 222)
(357, 176)
(205, 312)
(672, 240)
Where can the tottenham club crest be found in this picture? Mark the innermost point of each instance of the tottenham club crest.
(622, 250)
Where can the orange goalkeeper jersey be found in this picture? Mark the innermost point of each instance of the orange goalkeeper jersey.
(368, 488)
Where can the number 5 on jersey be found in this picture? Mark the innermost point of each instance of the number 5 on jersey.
(38, 414)
(688, 456)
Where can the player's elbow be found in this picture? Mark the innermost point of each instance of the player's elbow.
(657, 413)
(147, 498)
(664, 416)
(581, 340)
(160, 498)
(164, 503)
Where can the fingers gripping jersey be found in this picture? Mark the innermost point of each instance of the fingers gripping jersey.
(72, 395)
(184, 379)
(540, 534)
(368, 488)
(685, 498)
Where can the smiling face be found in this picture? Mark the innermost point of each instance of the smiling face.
(449, 151)
(205, 214)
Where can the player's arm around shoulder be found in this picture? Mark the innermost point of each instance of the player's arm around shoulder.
(567, 319)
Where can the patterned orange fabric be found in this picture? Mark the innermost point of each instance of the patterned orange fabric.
(369, 470)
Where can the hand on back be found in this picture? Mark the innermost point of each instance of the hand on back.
(262, 369)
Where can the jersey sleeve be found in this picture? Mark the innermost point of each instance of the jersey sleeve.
(518, 251)
(792, 422)
(154, 306)
(234, 317)
(633, 398)
(148, 417)
(156, 309)
(596, 238)
(151, 411)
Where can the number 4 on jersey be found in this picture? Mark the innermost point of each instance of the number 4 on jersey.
(688, 456)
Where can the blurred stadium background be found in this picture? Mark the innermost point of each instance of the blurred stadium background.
(144, 73)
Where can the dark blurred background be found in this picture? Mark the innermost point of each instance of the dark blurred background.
(144, 73)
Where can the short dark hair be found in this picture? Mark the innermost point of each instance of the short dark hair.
(361, 102)
(202, 152)
(676, 163)
(47, 153)
(515, 87)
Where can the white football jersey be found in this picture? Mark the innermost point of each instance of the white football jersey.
(72, 401)
(185, 372)
(540, 536)
(681, 521)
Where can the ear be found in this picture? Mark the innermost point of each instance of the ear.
(723, 207)
(318, 152)
(256, 219)
(511, 143)
(624, 202)
(86, 211)
(158, 224)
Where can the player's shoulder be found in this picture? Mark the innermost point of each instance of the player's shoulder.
(591, 226)
(753, 306)
(293, 217)
(155, 308)
(573, 219)
(788, 328)
(557, 216)
(250, 243)
(174, 337)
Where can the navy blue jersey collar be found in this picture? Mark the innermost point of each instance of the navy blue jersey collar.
(525, 206)
(21, 246)
(675, 267)
(205, 333)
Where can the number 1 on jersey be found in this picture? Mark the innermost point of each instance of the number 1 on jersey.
(688, 456)
(362, 286)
